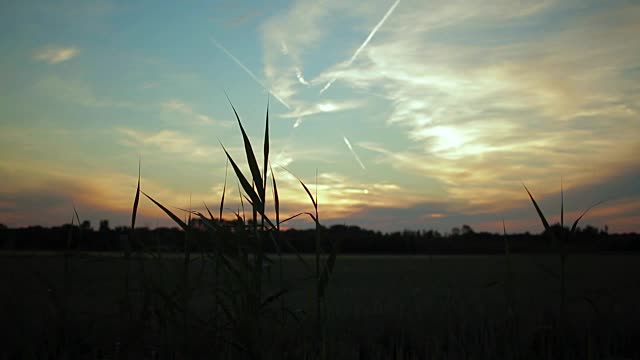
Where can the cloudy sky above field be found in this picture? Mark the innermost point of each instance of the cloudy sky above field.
(414, 114)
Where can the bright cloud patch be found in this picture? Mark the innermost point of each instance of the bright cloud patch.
(56, 54)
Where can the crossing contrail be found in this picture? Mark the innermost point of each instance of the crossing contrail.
(246, 69)
(348, 143)
(365, 43)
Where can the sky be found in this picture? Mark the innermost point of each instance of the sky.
(401, 114)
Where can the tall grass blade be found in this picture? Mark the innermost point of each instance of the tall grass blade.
(561, 206)
(208, 222)
(224, 189)
(248, 200)
(177, 220)
(209, 211)
(265, 151)
(507, 249)
(269, 299)
(276, 198)
(540, 214)
(243, 180)
(135, 201)
(190, 210)
(313, 200)
(76, 214)
(241, 204)
(575, 223)
(299, 214)
(251, 158)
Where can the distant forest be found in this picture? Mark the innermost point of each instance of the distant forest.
(351, 240)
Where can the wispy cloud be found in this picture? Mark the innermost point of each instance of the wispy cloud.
(96, 194)
(56, 54)
(480, 117)
(342, 196)
(75, 91)
(249, 72)
(182, 107)
(172, 142)
(286, 38)
(321, 107)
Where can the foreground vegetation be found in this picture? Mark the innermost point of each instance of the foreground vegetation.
(229, 295)
(379, 307)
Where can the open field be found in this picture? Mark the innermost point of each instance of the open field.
(447, 306)
(222, 296)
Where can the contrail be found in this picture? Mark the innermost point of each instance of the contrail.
(327, 85)
(300, 77)
(253, 76)
(366, 42)
(373, 32)
(348, 143)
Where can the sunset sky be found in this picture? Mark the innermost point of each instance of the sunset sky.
(415, 114)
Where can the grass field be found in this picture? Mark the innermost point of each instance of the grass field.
(378, 307)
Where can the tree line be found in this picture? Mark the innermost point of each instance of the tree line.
(351, 240)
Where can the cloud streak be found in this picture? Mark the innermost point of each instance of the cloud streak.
(355, 155)
(170, 142)
(56, 54)
(320, 108)
(248, 71)
(181, 107)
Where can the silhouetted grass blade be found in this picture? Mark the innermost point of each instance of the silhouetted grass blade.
(209, 211)
(243, 180)
(298, 214)
(265, 152)
(561, 206)
(135, 201)
(276, 198)
(168, 212)
(540, 214)
(209, 223)
(251, 159)
(313, 200)
(575, 223)
(271, 298)
(224, 189)
(248, 200)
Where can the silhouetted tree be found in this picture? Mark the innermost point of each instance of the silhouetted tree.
(455, 231)
(557, 230)
(104, 226)
(86, 225)
(467, 230)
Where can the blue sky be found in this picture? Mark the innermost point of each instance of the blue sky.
(415, 114)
